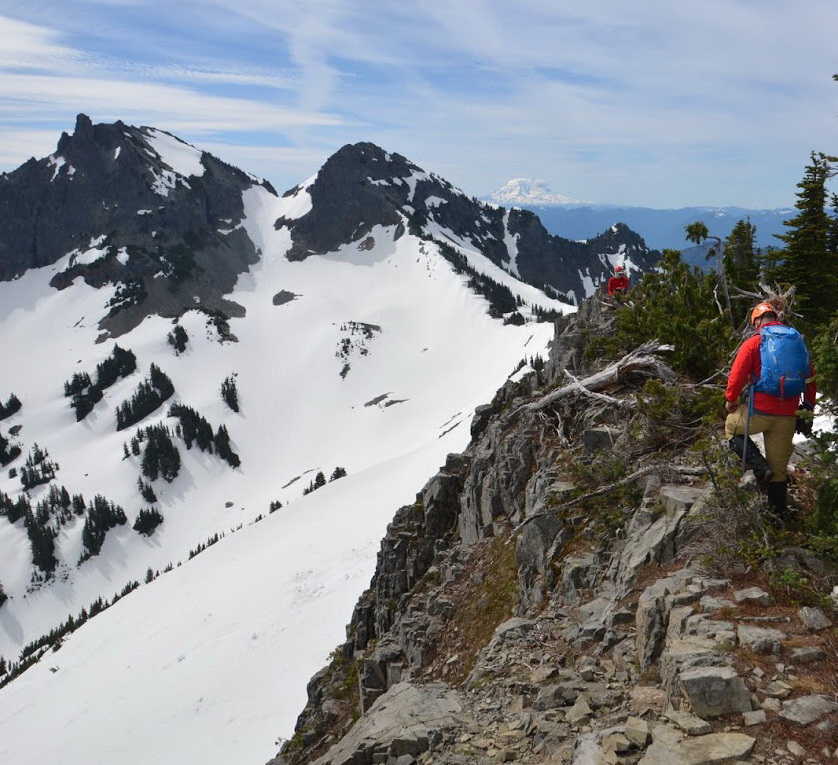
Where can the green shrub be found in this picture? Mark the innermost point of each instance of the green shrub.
(679, 306)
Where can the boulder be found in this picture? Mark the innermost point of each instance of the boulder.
(807, 709)
(760, 639)
(399, 723)
(753, 595)
(814, 619)
(716, 748)
(715, 691)
(689, 723)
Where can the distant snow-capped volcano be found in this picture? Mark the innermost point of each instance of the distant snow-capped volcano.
(527, 191)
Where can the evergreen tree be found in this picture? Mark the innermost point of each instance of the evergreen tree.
(78, 504)
(178, 339)
(808, 262)
(697, 232)
(3, 599)
(678, 305)
(150, 394)
(10, 407)
(318, 482)
(230, 393)
(223, 448)
(147, 521)
(78, 383)
(101, 517)
(42, 543)
(120, 363)
(38, 469)
(741, 264)
(338, 472)
(194, 428)
(8, 453)
(146, 490)
(161, 457)
(14, 511)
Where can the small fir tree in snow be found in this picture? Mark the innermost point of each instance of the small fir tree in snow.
(150, 394)
(38, 469)
(120, 363)
(178, 339)
(318, 482)
(161, 457)
(230, 392)
(42, 543)
(338, 472)
(8, 452)
(10, 407)
(101, 517)
(78, 504)
(85, 394)
(223, 448)
(146, 490)
(3, 599)
(148, 519)
(14, 510)
(194, 428)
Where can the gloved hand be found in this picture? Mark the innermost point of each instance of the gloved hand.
(805, 419)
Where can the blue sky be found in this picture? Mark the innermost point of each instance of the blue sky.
(662, 105)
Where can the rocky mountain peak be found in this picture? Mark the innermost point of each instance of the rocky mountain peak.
(132, 207)
(362, 187)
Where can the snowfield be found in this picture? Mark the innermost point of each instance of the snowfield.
(374, 361)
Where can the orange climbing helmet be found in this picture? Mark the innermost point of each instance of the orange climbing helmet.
(760, 310)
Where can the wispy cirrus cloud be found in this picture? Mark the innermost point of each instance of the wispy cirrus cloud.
(662, 104)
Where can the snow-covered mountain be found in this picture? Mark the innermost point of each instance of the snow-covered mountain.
(522, 192)
(213, 400)
(660, 228)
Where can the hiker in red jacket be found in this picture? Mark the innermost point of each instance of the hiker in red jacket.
(619, 283)
(773, 415)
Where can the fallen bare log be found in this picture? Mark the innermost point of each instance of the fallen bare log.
(639, 361)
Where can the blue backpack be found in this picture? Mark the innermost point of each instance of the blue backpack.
(785, 361)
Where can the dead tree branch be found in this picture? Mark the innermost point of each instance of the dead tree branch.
(639, 361)
(654, 468)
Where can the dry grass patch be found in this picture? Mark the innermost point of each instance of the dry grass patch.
(484, 597)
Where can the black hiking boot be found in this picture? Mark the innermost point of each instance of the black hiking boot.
(754, 459)
(778, 499)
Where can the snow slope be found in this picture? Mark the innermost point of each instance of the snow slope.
(368, 359)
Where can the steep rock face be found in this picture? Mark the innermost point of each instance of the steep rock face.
(148, 203)
(362, 186)
(504, 623)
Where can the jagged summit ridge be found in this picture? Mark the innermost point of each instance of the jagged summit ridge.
(135, 207)
(362, 187)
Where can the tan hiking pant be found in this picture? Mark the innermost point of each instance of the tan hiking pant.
(777, 430)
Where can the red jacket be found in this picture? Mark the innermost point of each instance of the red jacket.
(745, 370)
(618, 284)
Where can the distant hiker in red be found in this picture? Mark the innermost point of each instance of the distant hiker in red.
(619, 283)
(775, 363)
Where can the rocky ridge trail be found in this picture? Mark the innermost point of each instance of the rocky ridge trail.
(508, 621)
